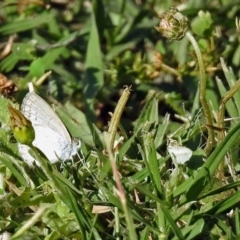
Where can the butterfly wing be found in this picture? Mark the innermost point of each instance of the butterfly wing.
(39, 112)
(26, 156)
(51, 144)
(179, 154)
(51, 136)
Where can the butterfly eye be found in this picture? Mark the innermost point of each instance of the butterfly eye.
(77, 142)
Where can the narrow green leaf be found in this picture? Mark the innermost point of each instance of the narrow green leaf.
(8, 162)
(21, 25)
(231, 79)
(226, 204)
(72, 203)
(230, 106)
(93, 79)
(172, 223)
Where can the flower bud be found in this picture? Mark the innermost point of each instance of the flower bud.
(173, 24)
(22, 128)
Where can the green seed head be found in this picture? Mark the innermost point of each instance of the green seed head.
(22, 128)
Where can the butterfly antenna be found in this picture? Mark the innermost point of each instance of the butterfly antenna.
(30, 87)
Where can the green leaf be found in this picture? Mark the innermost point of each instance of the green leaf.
(93, 79)
(20, 25)
(231, 79)
(78, 125)
(202, 23)
(148, 114)
(8, 63)
(36, 68)
(230, 106)
(226, 204)
(20, 51)
(51, 56)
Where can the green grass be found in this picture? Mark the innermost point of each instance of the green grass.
(94, 49)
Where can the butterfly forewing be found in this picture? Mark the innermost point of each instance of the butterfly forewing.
(179, 154)
(40, 113)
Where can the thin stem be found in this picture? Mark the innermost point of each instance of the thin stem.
(202, 95)
(117, 115)
(172, 70)
(30, 222)
(119, 191)
(226, 98)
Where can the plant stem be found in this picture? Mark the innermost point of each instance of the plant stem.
(202, 95)
(112, 130)
(119, 191)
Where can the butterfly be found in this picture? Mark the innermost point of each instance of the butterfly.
(51, 136)
(178, 153)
